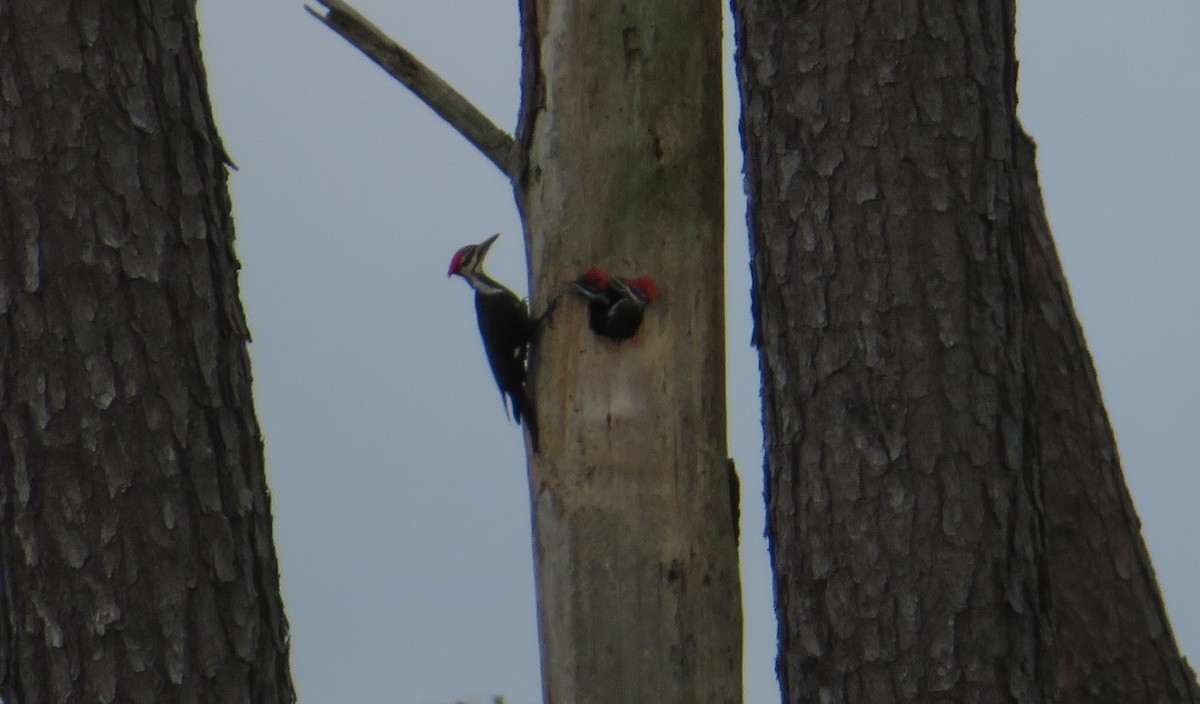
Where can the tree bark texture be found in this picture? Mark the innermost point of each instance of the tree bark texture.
(1112, 639)
(904, 493)
(135, 531)
(947, 516)
(621, 146)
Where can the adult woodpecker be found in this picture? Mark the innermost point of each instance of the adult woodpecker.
(615, 305)
(506, 329)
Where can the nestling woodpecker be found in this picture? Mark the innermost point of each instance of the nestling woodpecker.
(506, 329)
(594, 286)
(615, 305)
(625, 316)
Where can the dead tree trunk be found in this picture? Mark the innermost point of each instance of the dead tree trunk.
(618, 163)
(946, 515)
(136, 556)
(636, 559)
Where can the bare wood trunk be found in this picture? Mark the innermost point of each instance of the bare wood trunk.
(637, 572)
(617, 162)
(136, 555)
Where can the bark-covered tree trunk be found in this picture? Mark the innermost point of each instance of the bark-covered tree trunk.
(946, 515)
(1112, 639)
(135, 532)
(636, 557)
(903, 491)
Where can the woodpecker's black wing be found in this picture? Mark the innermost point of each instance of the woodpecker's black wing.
(506, 328)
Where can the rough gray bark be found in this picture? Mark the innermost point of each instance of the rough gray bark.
(947, 515)
(618, 163)
(904, 517)
(1112, 638)
(135, 532)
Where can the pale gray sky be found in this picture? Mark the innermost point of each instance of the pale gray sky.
(400, 502)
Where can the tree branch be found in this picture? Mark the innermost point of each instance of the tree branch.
(496, 144)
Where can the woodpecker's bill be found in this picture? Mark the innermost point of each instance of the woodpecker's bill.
(506, 329)
(615, 305)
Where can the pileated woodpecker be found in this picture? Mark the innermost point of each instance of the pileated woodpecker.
(594, 285)
(506, 329)
(625, 316)
(615, 305)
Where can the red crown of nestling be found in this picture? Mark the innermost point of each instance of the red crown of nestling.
(595, 279)
(645, 286)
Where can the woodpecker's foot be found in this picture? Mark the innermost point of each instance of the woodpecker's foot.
(550, 307)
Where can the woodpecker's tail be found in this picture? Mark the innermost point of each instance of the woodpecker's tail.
(524, 413)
